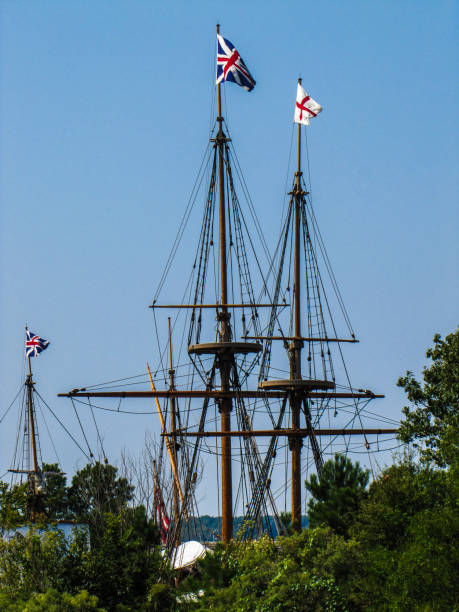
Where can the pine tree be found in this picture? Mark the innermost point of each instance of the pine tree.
(336, 496)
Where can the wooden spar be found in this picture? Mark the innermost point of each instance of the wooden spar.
(168, 442)
(224, 336)
(301, 338)
(219, 394)
(248, 305)
(52, 473)
(301, 433)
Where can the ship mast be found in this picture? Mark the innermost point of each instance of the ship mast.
(34, 474)
(27, 463)
(173, 427)
(298, 398)
(225, 336)
(31, 418)
(295, 350)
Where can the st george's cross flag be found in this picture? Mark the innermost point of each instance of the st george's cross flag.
(305, 107)
(230, 65)
(34, 344)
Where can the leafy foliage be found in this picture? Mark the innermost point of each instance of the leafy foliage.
(125, 560)
(42, 559)
(97, 490)
(407, 527)
(432, 421)
(51, 601)
(262, 575)
(55, 501)
(13, 505)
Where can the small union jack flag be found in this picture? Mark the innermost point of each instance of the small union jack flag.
(34, 344)
(230, 65)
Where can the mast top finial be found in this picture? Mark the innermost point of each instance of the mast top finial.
(299, 80)
(218, 28)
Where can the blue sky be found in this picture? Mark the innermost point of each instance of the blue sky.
(105, 110)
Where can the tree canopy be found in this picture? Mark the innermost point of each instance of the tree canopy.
(431, 422)
(336, 495)
(119, 565)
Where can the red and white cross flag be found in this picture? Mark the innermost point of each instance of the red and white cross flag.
(305, 107)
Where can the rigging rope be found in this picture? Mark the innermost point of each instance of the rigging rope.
(97, 430)
(21, 388)
(61, 424)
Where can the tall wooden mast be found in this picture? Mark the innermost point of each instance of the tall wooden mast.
(295, 350)
(31, 417)
(33, 470)
(173, 427)
(225, 336)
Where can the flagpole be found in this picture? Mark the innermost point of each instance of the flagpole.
(224, 336)
(219, 95)
(297, 344)
(299, 149)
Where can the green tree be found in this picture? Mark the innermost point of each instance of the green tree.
(432, 421)
(55, 493)
(121, 569)
(286, 520)
(125, 562)
(262, 575)
(13, 505)
(407, 528)
(34, 563)
(95, 491)
(336, 495)
(14, 500)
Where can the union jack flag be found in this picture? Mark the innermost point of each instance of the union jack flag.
(34, 344)
(230, 65)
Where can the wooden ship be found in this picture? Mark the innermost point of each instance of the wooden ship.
(236, 324)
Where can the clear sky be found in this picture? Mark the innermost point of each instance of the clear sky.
(105, 110)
